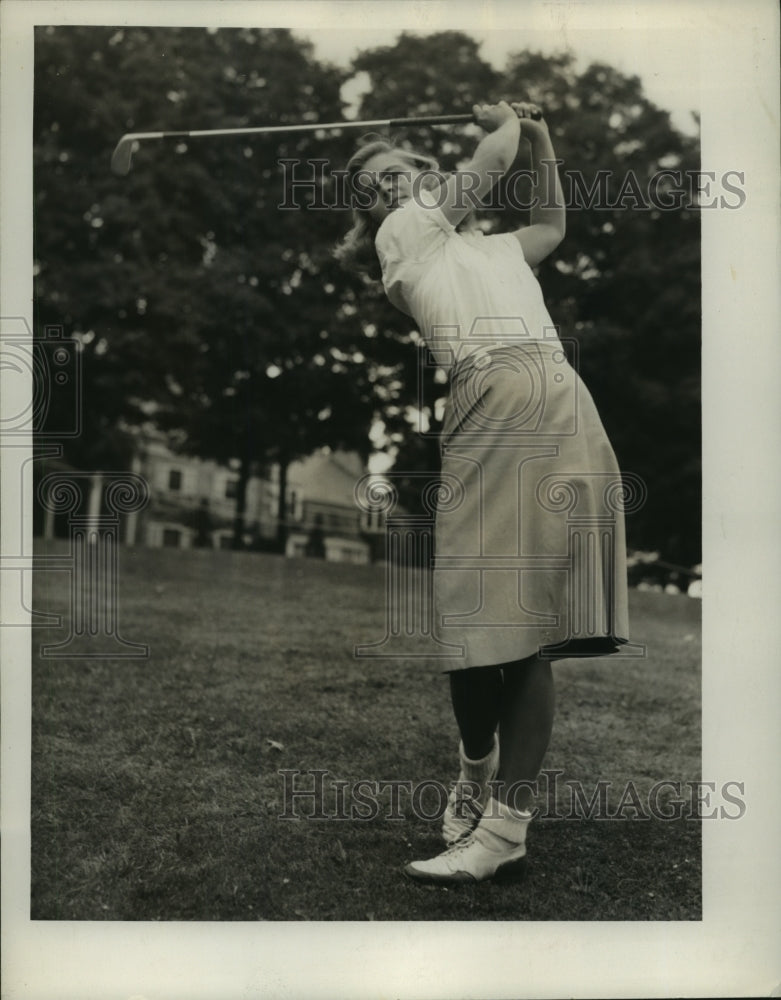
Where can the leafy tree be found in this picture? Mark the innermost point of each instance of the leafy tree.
(183, 281)
(624, 285)
(203, 307)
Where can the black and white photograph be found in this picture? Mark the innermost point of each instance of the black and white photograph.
(390, 500)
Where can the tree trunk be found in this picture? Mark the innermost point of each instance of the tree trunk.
(282, 504)
(241, 504)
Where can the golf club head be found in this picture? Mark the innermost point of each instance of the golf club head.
(122, 155)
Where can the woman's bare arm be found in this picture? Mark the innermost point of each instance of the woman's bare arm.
(493, 158)
(548, 213)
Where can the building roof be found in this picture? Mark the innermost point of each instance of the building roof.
(327, 477)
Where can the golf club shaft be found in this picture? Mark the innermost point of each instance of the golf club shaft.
(123, 153)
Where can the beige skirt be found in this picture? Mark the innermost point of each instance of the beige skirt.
(530, 553)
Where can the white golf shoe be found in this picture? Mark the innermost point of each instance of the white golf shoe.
(496, 849)
(469, 795)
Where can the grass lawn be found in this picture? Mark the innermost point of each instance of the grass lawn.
(156, 784)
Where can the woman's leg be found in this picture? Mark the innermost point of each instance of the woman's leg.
(524, 695)
(477, 694)
(525, 724)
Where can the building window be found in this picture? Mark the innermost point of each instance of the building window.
(231, 486)
(171, 538)
(174, 479)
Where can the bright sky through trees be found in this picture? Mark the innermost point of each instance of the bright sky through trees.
(666, 62)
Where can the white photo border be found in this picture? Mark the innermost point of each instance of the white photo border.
(733, 950)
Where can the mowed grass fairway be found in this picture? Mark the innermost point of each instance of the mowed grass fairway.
(156, 785)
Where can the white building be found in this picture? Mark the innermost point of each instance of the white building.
(192, 502)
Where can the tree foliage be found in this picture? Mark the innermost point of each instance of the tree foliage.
(624, 286)
(202, 307)
(198, 303)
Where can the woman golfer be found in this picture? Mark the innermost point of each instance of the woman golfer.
(530, 554)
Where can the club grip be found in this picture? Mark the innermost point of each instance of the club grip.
(442, 120)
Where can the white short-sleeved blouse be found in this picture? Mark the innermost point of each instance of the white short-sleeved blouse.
(466, 291)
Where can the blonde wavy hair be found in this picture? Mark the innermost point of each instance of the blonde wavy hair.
(356, 250)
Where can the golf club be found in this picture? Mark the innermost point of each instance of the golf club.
(122, 156)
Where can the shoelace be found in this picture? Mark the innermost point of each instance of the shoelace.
(460, 846)
(463, 797)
